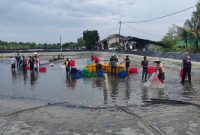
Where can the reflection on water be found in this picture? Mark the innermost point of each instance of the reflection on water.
(33, 77)
(56, 86)
(70, 82)
(127, 90)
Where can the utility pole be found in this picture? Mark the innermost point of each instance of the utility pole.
(60, 47)
(120, 23)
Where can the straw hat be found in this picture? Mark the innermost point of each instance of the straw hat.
(157, 61)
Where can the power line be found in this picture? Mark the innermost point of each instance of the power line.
(142, 31)
(111, 30)
(156, 18)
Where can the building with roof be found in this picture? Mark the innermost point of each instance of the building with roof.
(117, 41)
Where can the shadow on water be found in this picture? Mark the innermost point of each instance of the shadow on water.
(55, 86)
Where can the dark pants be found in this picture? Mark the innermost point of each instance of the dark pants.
(161, 77)
(67, 70)
(185, 72)
(24, 67)
(113, 70)
(144, 74)
(17, 63)
(127, 69)
(13, 67)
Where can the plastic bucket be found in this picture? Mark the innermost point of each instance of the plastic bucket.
(133, 70)
(151, 69)
(122, 74)
(100, 74)
(42, 69)
(27, 67)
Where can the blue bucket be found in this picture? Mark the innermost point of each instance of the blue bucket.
(100, 74)
(122, 74)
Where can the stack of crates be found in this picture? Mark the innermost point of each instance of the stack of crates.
(91, 68)
(120, 67)
(86, 73)
(106, 67)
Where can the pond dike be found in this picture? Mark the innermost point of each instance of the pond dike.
(169, 55)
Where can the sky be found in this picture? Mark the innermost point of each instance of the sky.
(44, 21)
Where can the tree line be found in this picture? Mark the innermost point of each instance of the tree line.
(187, 36)
(86, 42)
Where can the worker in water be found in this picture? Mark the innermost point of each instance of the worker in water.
(144, 65)
(94, 59)
(187, 65)
(36, 61)
(113, 62)
(99, 67)
(24, 63)
(160, 69)
(67, 65)
(127, 63)
(31, 62)
(17, 59)
(13, 63)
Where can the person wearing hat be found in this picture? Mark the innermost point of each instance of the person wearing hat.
(36, 61)
(187, 65)
(160, 69)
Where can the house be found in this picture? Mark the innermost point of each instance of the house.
(110, 42)
(134, 43)
(116, 41)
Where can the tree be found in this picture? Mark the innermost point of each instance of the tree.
(80, 42)
(193, 25)
(169, 40)
(90, 38)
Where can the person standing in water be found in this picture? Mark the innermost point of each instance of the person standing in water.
(67, 65)
(160, 69)
(144, 65)
(13, 63)
(31, 62)
(24, 63)
(17, 59)
(127, 63)
(187, 65)
(36, 61)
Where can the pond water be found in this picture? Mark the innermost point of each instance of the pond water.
(55, 86)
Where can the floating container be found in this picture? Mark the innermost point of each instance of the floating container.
(122, 74)
(72, 63)
(120, 67)
(100, 73)
(78, 75)
(89, 67)
(181, 74)
(133, 70)
(94, 68)
(151, 69)
(42, 69)
(27, 67)
(74, 71)
(106, 67)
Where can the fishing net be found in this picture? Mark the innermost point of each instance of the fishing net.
(153, 82)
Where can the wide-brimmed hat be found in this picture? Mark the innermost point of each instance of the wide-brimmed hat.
(157, 61)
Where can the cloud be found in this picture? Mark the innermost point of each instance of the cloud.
(44, 20)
